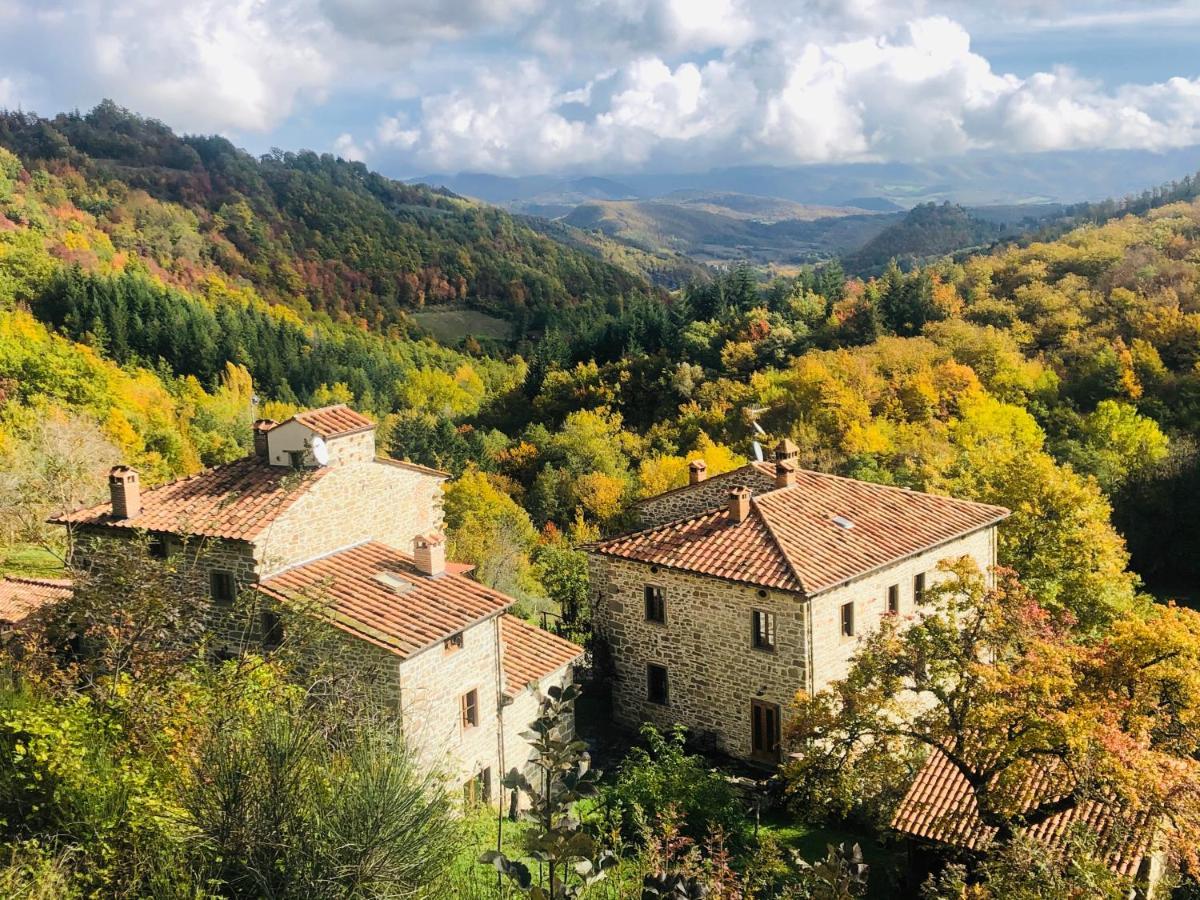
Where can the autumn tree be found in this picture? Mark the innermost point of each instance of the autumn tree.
(1009, 691)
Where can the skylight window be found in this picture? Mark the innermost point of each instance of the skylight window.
(842, 522)
(394, 582)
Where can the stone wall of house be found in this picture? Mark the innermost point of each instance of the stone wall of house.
(432, 684)
(706, 645)
(832, 652)
(350, 504)
(697, 498)
(518, 716)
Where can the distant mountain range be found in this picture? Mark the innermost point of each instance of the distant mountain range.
(790, 216)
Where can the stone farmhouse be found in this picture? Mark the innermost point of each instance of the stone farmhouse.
(314, 517)
(742, 589)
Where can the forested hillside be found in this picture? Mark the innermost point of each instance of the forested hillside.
(1058, 379)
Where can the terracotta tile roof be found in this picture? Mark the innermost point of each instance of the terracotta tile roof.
(375, 593)
(940, 806)
(764, 468)
(531, 653)
(329, 421)
(238, 500)
(415, 467)
(21, 596)
(792, 538)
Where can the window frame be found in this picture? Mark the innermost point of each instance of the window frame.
(221, 598)
(652, 668)
(454, 643)
(468, 709)
(919, 588)
(158, 547)
(892, 601)
(654, 598)
(764, 639)
(477, 790)
(844, 621)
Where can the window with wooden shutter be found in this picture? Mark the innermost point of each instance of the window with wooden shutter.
(656, 604)
(848, 619)
(763, 630)
(919, 588)
(893, 599)
(470, 709)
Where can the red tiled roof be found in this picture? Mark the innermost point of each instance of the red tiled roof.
(21, 596)
(411, 613)
(792, 541)
(531, 653)
(763, 468)
(940, 806)
(238, 500)
(329, 421)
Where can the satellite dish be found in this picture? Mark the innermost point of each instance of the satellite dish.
(758, 428)
(758, 454)
(320, 452)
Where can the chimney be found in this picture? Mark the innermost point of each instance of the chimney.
(429, 554)
(697, 471)
(261, 427)
(126, 495)
(739, 504)
(785, 473)
(786, 449)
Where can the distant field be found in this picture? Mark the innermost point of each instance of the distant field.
(452, 325)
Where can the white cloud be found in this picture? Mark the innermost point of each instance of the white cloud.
(534, 85)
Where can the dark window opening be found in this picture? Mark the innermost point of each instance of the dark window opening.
(919, 588)
(221, 587)
(656, 604)
(848, 619)
(764, 731)
(478, 790)
(454, 642)
(157, 548)
(764, 630)
(893, 599)
(470, 709)
(272, 631)
(296, 457)
(656, 684)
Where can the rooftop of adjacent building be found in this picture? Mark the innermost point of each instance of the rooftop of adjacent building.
(941, 806)
(809, 533)
(20, 596)
(238, 500)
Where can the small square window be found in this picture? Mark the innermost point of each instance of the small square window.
(919, 588)
(848, 619)
(454, 642)
(764, 630)
(893, 599)
(470, 709)
(656, 684)
(158, 548)
(221, 587)
(656, 604)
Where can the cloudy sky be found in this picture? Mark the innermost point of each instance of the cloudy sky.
(531, 86)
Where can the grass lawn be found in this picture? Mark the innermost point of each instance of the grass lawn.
(31, 561)
(451, 325)
(812, 841)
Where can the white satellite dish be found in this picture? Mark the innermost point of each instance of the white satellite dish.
(758, 428)
(320, 452)
(758, 454)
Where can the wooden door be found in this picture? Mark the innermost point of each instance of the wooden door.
(764, 731)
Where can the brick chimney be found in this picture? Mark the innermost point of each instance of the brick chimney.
(697, 471)
(739, 504)
(261, 427)
(429, 554)
(786, 449)
(126, 495)
(785, 473)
